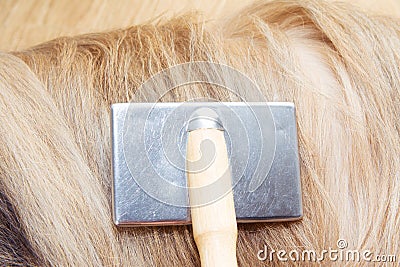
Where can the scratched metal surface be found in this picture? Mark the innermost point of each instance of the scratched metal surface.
(149, 148)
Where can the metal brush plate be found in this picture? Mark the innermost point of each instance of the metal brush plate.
(150, 189)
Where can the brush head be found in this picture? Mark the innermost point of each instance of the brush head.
(149, 150)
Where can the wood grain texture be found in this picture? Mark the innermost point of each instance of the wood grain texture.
(214, 224)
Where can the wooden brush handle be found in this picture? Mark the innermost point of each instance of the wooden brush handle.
(214, 224)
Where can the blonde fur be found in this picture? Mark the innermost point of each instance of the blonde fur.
(337, 64)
